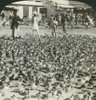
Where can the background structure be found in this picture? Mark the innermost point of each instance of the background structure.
(3, 3)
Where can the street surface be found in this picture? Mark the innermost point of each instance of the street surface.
(28, 29)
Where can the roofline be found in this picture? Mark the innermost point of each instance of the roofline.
(27, 5)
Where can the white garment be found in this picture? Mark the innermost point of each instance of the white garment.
(55, 22)
(35, 23)
(17, 32)
(39, 17)
(4, 20)
(91, 21)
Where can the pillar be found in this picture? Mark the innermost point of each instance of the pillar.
(20, 11)
(30, 12)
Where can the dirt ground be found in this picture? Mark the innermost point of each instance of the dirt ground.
(81, 30)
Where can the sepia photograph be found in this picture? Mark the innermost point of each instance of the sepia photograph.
(48, 50)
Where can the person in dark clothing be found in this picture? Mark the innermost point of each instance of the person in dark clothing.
(15, 24)
(43, 18)
(3, 19)
(2, 15)
(50, 23)
(64, 22)
(83, 19)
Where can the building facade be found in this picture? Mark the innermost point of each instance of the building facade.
(47, 7)
(26, 8)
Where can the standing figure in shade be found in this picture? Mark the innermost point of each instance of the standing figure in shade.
(87, 23)
(3, 18)
(50, 23)
(35, 24)
(0, 23)
(15, 25)
(72, 20)
(43, 18)
(83, 18)
(59, 19)
(64, 22)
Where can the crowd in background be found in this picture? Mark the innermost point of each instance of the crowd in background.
(85, 18)
(66, 19)
(69, 18)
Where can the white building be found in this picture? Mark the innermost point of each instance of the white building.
(26, 8)
(48, 7)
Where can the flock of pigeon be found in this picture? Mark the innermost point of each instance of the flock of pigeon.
(48, 68)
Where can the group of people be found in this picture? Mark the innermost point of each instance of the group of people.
(69, 18)
(15, 21)
(60, 19)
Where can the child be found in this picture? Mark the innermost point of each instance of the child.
(54, 27)
(35, 24)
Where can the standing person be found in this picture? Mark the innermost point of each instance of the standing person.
(43, 18)
(64, 22)
(59, 19)
(2, 15)
(83, 18)
(0, 23)
(3, 18)
(10, 18)
(54, 27)
(50, 23)
(35, 23)
(15, 25)
(72, 19)
(87, 22)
